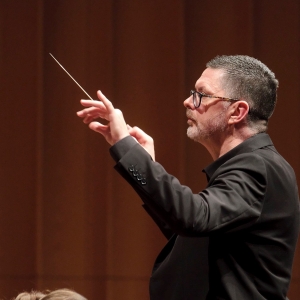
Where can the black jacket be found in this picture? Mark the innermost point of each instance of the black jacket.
(249, 212)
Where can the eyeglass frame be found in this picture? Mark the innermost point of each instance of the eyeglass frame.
(193, 92)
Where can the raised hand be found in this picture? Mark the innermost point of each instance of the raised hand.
(116, 128)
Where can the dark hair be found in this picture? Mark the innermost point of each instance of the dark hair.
(249, 79)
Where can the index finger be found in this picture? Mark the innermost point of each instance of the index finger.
(92, 103)
(109, 106)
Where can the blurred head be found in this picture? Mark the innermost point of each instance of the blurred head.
(61, 294)
(248, 79)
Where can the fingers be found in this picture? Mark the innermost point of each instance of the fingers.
(91, 110)
(116, 128)
(92, 113)
(103, 105)
(105, 101)
(102, 129)
(89, 118)
(94, 106)
(98, 127)
(139, 134)
(145, 140)
(95, 109)
(95, 103)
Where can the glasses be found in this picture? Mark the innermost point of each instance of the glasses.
(197, 98)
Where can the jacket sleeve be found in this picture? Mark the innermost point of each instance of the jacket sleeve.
(163, 226)
(233, 199)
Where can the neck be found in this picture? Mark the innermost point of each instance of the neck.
(221, 145)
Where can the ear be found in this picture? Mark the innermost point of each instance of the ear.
(238, 111)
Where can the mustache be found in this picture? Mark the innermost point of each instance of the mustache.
(189, 114)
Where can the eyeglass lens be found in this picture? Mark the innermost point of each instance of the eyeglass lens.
(196, 98)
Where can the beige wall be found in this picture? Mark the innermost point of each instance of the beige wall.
(66, 218)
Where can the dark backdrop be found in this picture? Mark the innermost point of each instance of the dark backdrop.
(66, 218)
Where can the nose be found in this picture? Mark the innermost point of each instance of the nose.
(188, 102)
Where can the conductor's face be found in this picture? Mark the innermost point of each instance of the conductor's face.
(209, 120)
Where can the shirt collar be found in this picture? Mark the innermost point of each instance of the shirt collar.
(253, 143)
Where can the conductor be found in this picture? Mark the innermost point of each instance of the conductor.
(249, 209)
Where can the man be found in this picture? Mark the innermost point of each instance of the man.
(249, 209)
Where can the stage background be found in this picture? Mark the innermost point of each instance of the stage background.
(67, 219)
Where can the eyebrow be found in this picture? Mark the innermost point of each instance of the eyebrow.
(205, 90)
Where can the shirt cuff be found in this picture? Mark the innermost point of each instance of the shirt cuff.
(120, 148)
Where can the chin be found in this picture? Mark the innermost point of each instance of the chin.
(192, 133)
(197, 136)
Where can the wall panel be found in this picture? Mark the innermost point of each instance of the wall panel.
(67, 219)
(19, 77)
(76, 177)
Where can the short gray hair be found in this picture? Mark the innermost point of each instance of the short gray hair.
(249, 79)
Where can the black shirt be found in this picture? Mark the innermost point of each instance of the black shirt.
(249, 211)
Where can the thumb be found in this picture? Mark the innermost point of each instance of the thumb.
(139, 134)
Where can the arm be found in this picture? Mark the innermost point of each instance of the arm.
(116, 129)
(116, 133)
(234, 200)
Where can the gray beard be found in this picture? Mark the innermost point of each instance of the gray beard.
(214, 126)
